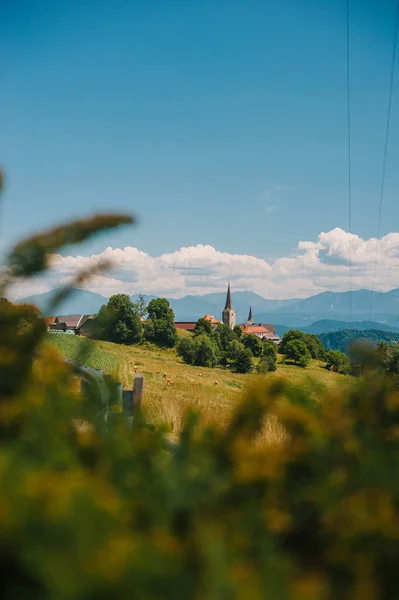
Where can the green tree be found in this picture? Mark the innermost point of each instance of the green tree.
(118, 321)
(312, 342)
(337, 361)
(238, 331)
(223, 336)
(244, 362)
(268, 361)
(203, 326)
(315, 347)
(269, 349)
(296, 350)
(160, 325)
(233, 350)
(293, 334)
(186, 348)
(206, 351)
(253, 343)
(267, 364)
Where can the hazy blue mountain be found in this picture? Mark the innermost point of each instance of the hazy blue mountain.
(281, 329)
(331, 306)
(191, 308)
(79, 302)
(335, 306)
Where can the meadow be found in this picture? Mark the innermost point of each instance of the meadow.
(213, 392)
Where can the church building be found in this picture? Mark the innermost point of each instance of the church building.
(228, 315)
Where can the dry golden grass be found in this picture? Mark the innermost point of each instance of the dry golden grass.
(189, 386)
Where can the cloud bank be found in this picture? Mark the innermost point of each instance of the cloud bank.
(314, 266)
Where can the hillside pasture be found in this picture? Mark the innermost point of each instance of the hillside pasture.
(213, 392)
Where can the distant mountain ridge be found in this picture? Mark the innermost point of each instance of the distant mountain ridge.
(81, 302)
(336, 306)
(291, 313)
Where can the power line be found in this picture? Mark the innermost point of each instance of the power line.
(349, 141)
(384, 162)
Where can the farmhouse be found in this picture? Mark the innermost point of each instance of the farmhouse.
(261, 330)
(79, 324)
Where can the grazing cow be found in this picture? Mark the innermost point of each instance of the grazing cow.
(216, 383)
(164, 375)
(157, 372)
(200, 374)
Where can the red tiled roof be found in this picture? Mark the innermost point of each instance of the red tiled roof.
(210, 318)
(269, 327)
(254, 329)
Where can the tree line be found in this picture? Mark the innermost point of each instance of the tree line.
(122, 321)
(227, 347)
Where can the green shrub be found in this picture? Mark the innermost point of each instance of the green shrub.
(206, 351)
(186, 349)
(244, 361)
(267, 364)
(201, 351)
(337, 361)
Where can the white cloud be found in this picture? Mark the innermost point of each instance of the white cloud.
(316, 266)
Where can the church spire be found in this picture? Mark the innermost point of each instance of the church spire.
(228, 315)
(228, 298)
(250, 315)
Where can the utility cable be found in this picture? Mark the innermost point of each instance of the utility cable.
(349, 141)
(384, 162)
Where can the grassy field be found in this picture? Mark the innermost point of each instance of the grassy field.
(192, 386)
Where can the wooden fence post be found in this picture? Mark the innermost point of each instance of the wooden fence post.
(138, 390)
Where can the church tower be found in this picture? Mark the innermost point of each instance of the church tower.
(228, 315)
(250, 320)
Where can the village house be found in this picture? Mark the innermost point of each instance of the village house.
(261, 330)
(79, 324)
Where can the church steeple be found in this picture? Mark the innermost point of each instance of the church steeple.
(228, 298)
(250, 321)
(228, 315)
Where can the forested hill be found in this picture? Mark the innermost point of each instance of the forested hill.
(340, 340)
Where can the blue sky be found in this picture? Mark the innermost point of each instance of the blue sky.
(216, 123)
